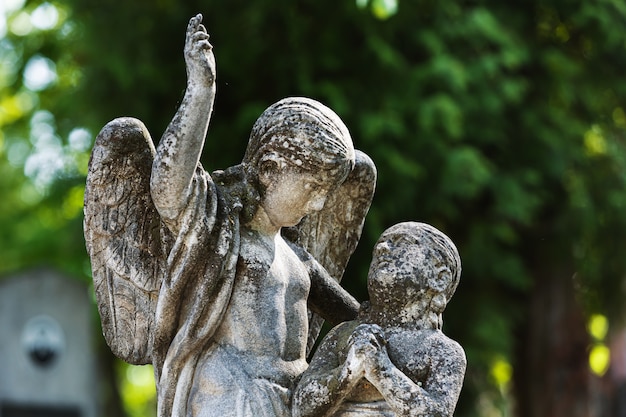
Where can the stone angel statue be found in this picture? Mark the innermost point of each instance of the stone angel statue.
(193, 271)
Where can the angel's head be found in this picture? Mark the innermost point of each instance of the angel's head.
(298, 151)
(414, 264)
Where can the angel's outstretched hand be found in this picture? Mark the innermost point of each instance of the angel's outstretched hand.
(199, 53)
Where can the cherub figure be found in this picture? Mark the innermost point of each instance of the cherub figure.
(191, 270)
(393, 359)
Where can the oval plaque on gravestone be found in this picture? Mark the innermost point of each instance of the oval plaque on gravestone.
(43, 340)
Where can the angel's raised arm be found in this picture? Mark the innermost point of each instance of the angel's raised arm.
(179, 151)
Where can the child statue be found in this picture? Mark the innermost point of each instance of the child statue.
(393, 360)
(191, 270)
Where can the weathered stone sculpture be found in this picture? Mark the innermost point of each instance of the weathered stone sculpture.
(191, 270)
(393, 359)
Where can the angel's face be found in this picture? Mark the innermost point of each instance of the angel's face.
(292, 194)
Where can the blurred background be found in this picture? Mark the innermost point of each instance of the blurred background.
(501, 123)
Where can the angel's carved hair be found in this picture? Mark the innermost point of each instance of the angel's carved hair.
(297, 132)
(302, 133)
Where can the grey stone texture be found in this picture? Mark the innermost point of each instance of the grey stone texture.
(214, 277)
(221, 280)
(393, 359)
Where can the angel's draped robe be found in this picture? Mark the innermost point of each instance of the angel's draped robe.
(195, 293)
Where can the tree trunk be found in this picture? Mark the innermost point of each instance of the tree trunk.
(611, 388)
(552, 376)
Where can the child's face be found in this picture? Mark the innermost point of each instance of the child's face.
(402, 270)
(394, 264)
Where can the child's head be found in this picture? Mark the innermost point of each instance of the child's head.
(301, 134)
(410, 261)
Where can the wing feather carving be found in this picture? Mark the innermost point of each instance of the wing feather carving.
(124, 237)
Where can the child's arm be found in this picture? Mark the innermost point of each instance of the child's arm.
(439, 393)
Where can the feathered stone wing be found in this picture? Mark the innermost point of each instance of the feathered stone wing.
(125, 238)
(331, 235)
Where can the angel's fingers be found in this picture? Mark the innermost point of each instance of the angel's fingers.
(194, 23)
(204, 44)
(199, 36)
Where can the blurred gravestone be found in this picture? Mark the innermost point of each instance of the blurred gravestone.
(47, 355)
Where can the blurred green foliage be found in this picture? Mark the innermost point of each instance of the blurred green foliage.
(501, 123)
(43, 146)
(137, 390)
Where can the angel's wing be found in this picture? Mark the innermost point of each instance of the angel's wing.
(331, 235)
(124, 237)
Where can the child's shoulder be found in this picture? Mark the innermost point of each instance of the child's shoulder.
(431, 341)
(446, 348)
